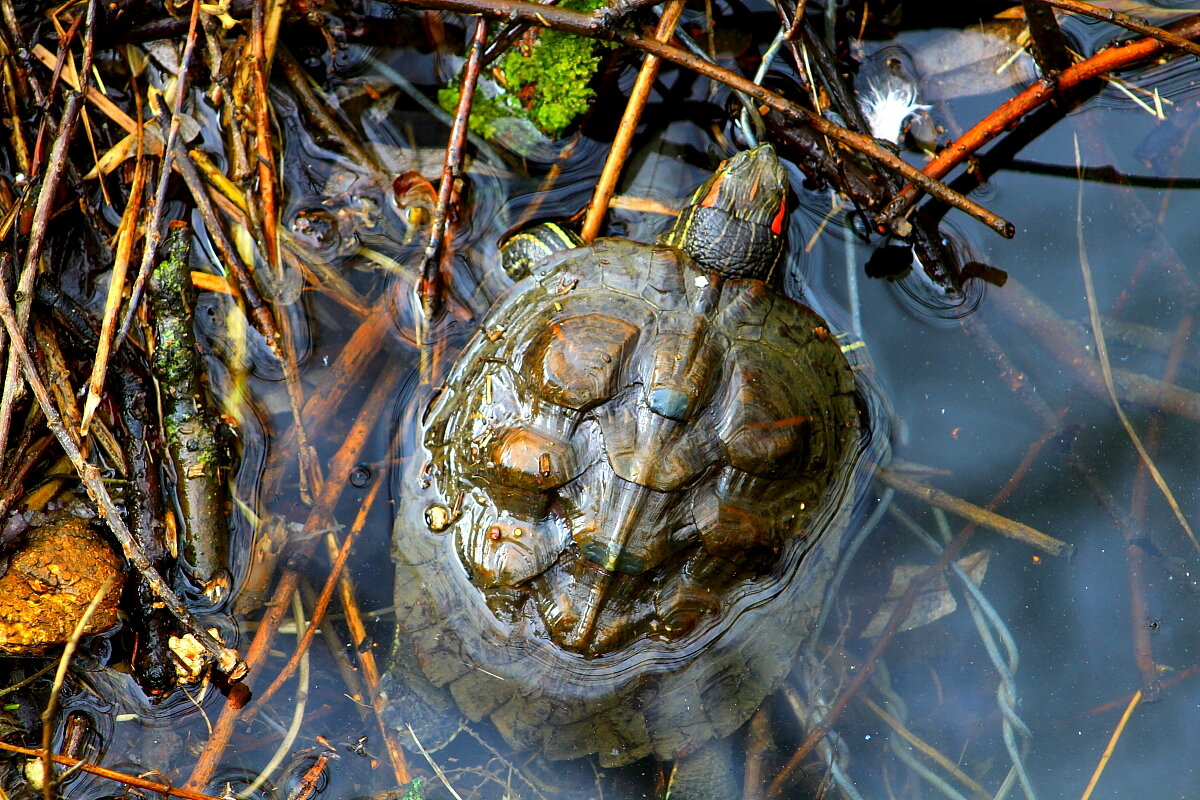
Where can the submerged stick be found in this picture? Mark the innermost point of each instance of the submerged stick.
(981, 516)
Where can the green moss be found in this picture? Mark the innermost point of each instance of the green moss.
(546, 81)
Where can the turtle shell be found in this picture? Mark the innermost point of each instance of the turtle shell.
(626, 507)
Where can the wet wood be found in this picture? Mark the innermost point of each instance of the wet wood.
(981, 516)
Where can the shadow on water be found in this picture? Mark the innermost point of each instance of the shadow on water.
(1015, 666)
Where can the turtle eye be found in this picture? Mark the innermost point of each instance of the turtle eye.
(777, 223)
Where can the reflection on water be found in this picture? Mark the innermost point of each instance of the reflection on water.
(1017, 665)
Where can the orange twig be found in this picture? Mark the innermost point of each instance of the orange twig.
(633, 112)
(1112, 744)
(343, 462)
(111, 774)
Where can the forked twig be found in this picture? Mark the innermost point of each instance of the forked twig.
(447, 198)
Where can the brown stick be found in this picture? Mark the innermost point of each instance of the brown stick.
(1125, 21)
(980, 516)
(593, 26)
(262, 140)
(1066, 343)
(112, 775)
(451, 175)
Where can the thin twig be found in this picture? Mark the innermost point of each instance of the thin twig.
(153, 229)
(1107, 373)
(1007, 115)
(60, 675)
(1112, 744)
(451, 174)
(981, 516)
(259, 67)
(134, 781)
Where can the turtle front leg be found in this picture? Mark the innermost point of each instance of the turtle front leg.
(411, 701)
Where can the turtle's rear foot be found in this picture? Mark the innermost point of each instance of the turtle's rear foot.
(710, 773)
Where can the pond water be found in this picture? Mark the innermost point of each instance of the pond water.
(1021, 686)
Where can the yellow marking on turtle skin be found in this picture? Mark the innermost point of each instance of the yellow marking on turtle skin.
(849, 348)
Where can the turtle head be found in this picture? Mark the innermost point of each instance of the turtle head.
(734, 223)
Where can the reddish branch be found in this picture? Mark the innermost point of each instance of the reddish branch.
(1011, 112)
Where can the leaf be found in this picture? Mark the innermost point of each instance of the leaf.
(975, 61)
(934, 600)
(122, 151)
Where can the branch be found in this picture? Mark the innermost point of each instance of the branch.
(592, 25)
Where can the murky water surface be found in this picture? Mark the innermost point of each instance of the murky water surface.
(1035, 669)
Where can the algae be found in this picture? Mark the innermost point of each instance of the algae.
(545, 78)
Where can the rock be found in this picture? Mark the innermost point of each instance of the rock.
(49, 584)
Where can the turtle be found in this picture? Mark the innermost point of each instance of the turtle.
(629, 494)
